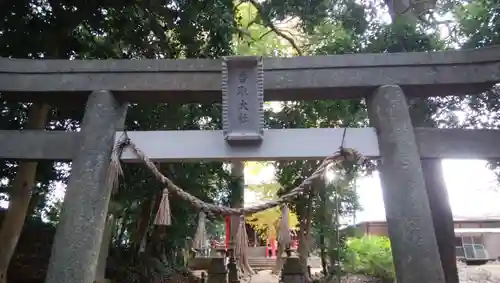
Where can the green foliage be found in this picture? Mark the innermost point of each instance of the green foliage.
(254, 38)
(335, 200)
(266, 222)
(136, 30)
(371, 256)
(310, 12)
(479, 23)
(210, 29)
(403, 37)
(265, 191)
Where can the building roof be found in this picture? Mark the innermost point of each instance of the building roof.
(455, 219)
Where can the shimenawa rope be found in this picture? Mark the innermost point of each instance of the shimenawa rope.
(125, 143)
(163, 216)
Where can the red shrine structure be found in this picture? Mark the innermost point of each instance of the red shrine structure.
(262, 247)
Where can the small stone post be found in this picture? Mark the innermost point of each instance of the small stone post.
(413, 241)
(233, 275)
(79, 233)
(292, 271)
(217, 272)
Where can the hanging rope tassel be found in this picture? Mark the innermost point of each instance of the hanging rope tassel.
(201, 233)
(284, 231)
(284, 239)
(163, 216)
(241, 248)
(115, 169)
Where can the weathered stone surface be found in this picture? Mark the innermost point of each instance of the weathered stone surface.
(243, 100)
(298, 78)
(79, 233)
(107, 237)
(413, 240)
(432, 143)
(442, 216)
(217, 271)
(292, 271)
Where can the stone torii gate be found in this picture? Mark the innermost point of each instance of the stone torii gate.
(108, 86)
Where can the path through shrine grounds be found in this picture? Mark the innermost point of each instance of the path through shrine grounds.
(488, 273)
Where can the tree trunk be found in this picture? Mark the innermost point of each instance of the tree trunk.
(303, 245)
(237, 194)
(305, 228)
(120, 233)
(33, 204)
(279, 259)
(324, 264)
(322, 242)
(142, 224)
(20, 195)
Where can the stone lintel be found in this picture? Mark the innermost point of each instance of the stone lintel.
(299, 78)
(432, 143)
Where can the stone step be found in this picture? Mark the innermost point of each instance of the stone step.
(262, 263)
(261, 259)
(251, 262)
(201, 263)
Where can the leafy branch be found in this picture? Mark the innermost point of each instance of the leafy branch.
(267, 21)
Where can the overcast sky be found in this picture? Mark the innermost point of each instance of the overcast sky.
(472, 190)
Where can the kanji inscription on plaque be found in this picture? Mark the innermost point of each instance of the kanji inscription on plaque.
(243, 99)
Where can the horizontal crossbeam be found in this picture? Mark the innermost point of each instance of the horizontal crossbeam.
(298, 78)
(278, 144)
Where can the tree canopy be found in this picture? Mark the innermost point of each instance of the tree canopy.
(211, 29)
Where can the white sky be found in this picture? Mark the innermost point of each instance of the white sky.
(472, 188)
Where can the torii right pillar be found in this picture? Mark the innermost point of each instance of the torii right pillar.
(414, 246)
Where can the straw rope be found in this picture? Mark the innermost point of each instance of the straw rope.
(241, 248)
(200, 236)
(125, 142)
(163, 215)
(284, 238)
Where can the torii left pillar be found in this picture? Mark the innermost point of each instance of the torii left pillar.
(79, 233)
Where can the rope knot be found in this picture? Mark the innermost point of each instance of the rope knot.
(344, 152)
(124, 140)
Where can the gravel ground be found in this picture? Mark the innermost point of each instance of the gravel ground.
(488, 273)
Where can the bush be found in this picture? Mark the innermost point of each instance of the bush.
(371, 256)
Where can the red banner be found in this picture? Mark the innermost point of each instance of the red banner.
(228, 230)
